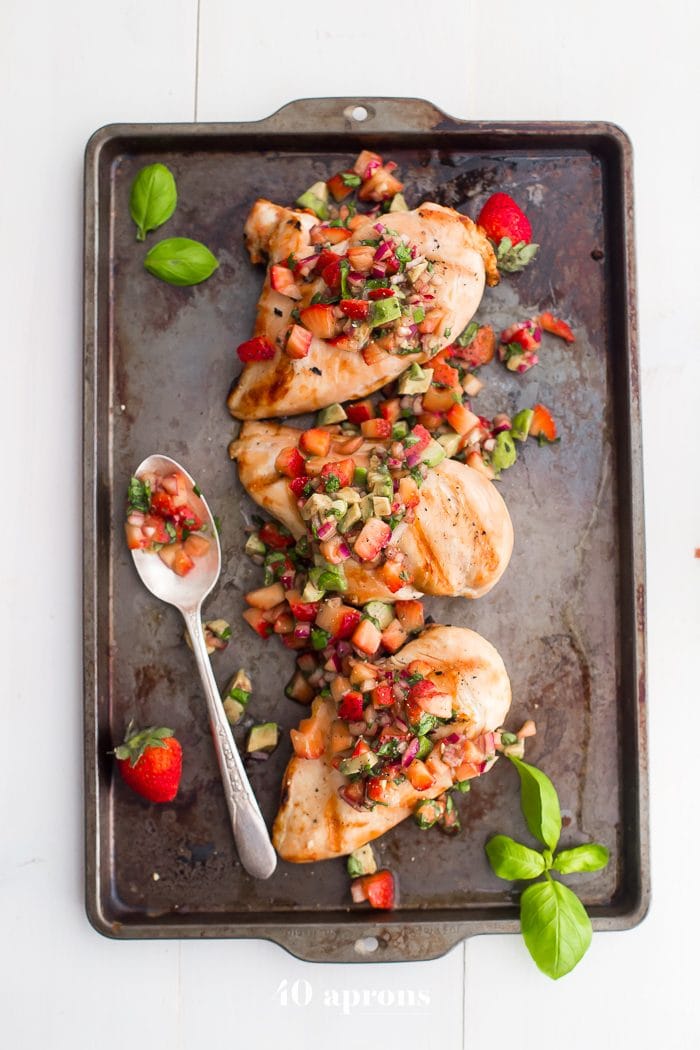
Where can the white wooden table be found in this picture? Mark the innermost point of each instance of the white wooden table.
(67, 69)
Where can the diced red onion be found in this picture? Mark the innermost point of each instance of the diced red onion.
(302, 631)
(400, 724)
(383, 249)
(378, 270)
(344, 551)
(326, 530)
(260, 756)
(411, 751)
(453, 738)
(379, 227)
(343, 648)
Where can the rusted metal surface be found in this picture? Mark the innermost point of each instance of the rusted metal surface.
(567, 617)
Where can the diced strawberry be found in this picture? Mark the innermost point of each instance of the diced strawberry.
(353, 793)
(154, 529)
(196, 546)
(366, 163)
(284, 624)
(556, 326)
(307, 740)
(431, 420)
(380, 186)
(461, 419)
(275, 536)
(376, 429)
(344, 341)
(382, 696)
(341, 738)
(381, 293)
(297, 485)
(290, 462)
(367, 637)
(258, 349)
(419, 775)
(266, 597)
(343, 470)
(339, 189)
(356, 309)
(440, 399)
(335, 234)
(331, 275)
(383, 790)
(409, 493)
(395, 575)
(361, 257)
(393, 636)
(411, 614)
(525, 334)
(360, 748)
(182, 563)
(480, 350)
(373, 538)
(339, 620)
(282, 280)
(315, 441)
(476, 461)
(254, 617)
(423, 438)
(351, 706)
(378, 889)
(304, 612)
(390, 409)
(320, 320)
(543, 423)
(422, 689)
(360, 411)
(298, 342)
(373, 353)
(444, 375)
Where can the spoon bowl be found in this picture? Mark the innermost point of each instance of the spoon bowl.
(187, 593)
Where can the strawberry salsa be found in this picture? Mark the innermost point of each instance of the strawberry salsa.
(375, 297)
(160, 517)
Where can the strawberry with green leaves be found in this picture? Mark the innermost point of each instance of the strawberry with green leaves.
(507, 226)
(150, 761)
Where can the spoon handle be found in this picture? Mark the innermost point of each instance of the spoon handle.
(255, 850)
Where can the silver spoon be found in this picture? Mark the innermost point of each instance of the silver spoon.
(187, 593)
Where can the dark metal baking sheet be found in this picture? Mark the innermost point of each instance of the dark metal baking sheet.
(568, 616)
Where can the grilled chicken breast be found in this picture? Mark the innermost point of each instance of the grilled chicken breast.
(315, 823)
(458, 545)
(462, 258)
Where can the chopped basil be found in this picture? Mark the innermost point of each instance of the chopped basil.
(402, 253)
(332, 483)
(170, 529)
(196, 489)
(390, 748)
(468, 334)
(448, 333)
(319, 638)
(350, 179)
(217, 524)
(241, 695)
(344, 267)
(462, 785)
(138, 496)
(417, 476)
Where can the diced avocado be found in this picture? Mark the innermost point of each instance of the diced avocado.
(240, 687)
(385, 310)
(433, 454)
(399, 430)
(450, 443)
(362, 862)
(381, 506)
(264, 737)
(505, 453)
(383, 486)
(381, 612)
(366, 507)
(319, 503)
(316, 200)
(462, 785)
(426, 746)
(352, 517)
(349, 495)
(416, 380)
(254, 545)
(522, 421)
(360, 476)
(311, 593)
(398, 203)
(219, 628)
(332, 414)
(358, 764)
(234, 710)
(328, 577)
(416, 272)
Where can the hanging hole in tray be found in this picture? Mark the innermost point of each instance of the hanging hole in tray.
(366, 945)
(357, 113)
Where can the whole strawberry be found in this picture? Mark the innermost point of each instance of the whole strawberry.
(150, 761)
(509, 228)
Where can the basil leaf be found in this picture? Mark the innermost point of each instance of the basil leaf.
(153, 198)
(589, 857)
(180, 261)
(511, 860)
(555, 926)
(539, 802)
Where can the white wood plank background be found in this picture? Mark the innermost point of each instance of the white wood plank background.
(67, 69)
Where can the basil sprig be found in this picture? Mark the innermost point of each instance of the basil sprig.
(153, 198)
(554, 923)
(181, 261)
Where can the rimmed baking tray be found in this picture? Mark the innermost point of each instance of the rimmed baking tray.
(568, 616)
